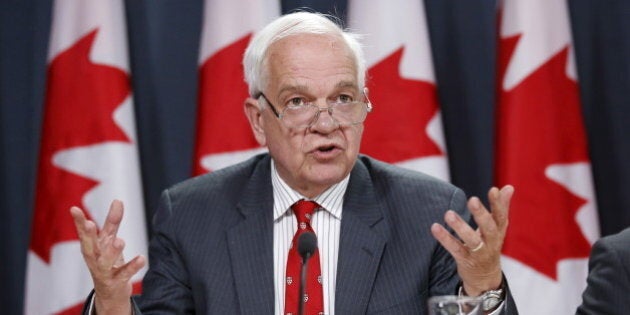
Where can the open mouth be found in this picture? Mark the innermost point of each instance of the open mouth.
(326, 152)
(326, 148)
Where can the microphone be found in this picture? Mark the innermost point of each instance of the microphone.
(307, 244)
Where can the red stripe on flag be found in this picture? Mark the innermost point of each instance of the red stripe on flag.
(80, 101)
(221, 123)
(396, 130)
(540, 124)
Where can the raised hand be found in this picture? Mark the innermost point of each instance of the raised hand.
(102, 252)
(477, 252)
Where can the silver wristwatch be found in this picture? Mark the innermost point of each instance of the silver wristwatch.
(490, 299)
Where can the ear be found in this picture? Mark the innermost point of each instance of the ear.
(254, 116)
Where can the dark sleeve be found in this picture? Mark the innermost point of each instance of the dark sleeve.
(608, 283)
(88, 304)
(509, 306)
(88, 307)
(166, 286)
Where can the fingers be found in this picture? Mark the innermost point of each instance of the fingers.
(500, 204)
(492, 225)
(112, 248)
(114, 217)
(469, 236)
(487, 226)
(86, 230)
(469, 240)
(128, 270)
(477, 252)
(454, 246)
(102, 250)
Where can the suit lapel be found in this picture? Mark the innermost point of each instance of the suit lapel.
(364, 234)
(251, 244)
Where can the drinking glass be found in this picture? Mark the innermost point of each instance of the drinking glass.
(454, 305)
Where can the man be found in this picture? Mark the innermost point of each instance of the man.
(221, 241)
(608, 280)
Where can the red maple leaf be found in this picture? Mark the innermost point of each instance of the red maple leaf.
(539, 124)
(80, 99)
(221, 124)
(396, 128)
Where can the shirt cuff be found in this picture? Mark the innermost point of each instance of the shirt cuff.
(90, 310)
(498, 309)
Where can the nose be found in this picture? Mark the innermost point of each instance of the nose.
(324, 123)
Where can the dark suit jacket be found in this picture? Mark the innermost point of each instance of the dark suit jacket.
(608, 290)
(212, 249)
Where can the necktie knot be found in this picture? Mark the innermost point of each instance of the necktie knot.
(303, 210)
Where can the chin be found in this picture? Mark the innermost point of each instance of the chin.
(328, 174)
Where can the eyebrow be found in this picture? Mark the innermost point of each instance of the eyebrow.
(347, 84)
(293, 88)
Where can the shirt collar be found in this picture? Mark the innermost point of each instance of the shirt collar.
(284, 196)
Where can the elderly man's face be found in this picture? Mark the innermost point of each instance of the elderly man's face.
(309, 68)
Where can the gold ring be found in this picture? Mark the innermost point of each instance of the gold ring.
(478, 247)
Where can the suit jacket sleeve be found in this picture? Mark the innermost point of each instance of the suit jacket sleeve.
(609, 277)
(166, 286)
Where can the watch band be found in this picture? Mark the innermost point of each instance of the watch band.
(489, 299)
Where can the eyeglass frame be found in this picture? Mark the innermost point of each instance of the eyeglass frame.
(329, 109)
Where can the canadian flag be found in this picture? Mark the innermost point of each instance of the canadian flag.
(542, 151)
(88, 154)
(223, 133)
(405, 126)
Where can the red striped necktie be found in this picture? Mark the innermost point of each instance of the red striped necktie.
(313, 296)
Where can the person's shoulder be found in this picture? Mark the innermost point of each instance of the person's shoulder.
(390, 174)
(402, 190)
(399, 184)
(226, 179)
(619, 241)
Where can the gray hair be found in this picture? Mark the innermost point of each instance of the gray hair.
(254, 60)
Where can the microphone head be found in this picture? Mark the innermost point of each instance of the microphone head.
(307, 244)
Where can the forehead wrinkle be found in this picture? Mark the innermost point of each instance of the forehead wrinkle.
(301, 88)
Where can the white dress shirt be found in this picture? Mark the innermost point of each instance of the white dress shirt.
(326, 223)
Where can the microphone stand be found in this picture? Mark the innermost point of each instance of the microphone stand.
(303, 269)
(307, 245)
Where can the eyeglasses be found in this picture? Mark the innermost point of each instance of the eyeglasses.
(306, 114)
